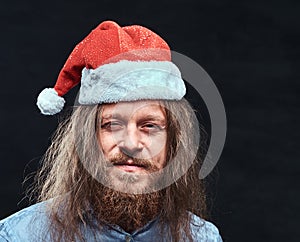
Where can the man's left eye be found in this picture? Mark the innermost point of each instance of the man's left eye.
(152, 127)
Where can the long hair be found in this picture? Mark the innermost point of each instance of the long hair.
(64, 179)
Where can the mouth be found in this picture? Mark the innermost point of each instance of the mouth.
(129, 166)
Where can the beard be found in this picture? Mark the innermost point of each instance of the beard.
(129, 211)
(125, 201)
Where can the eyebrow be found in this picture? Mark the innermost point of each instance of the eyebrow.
(149, 117)
(109, 116)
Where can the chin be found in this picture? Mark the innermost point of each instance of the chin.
(129, 182)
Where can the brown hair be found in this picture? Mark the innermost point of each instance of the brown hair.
(64, 179)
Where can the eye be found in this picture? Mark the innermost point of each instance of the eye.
(112, 125)
(152, 127)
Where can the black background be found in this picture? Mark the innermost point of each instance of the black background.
(249, 48)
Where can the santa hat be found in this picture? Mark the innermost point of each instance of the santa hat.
(115, 64)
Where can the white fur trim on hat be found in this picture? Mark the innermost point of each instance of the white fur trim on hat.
(131, 81)
(49, 102)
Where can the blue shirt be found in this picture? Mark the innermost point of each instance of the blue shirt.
(30, 224)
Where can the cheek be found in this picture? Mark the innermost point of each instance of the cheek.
(106, 142)
(159, 150)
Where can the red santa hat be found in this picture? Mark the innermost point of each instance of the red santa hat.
(115, 64)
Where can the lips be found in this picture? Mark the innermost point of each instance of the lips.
(129, 166)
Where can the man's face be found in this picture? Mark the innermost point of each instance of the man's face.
(133, 138)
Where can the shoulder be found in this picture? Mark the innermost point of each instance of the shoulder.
(203, 230)
(21, 226)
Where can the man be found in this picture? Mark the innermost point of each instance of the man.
(124, 166)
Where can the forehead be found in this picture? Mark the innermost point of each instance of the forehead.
(134, 109)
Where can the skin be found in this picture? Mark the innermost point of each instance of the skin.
(137, 129)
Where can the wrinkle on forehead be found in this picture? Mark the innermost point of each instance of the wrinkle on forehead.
(153, 110)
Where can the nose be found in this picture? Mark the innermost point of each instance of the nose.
(131, 143)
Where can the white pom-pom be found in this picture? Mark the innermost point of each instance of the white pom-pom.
(49, 102)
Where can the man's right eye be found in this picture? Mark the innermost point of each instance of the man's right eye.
(112, 125)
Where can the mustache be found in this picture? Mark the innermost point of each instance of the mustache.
(122, 159)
